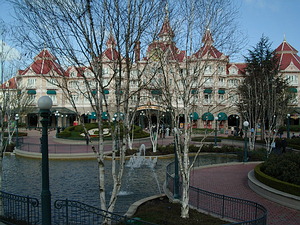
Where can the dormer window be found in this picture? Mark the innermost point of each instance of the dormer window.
(72, 74)
(233, 70)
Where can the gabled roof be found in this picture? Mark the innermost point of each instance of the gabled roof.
(287, 55)
(170, 49)
(207, 37)
(79, 70)
(208, 50)
(110, 52)
(43, 63)
(240, 66)
(10, 84)
(166, 29)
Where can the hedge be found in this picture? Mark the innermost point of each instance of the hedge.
(275, 183)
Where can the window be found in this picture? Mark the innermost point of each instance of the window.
(207, 98)
(31, 83)
(233, 98)
(233, 82)
(221, 98)
(221, 69)
(53, 98)
(73, 84)
(73, 74)
(75, 98)
(221, 81)
(105, 71)
(51, 83)
(292, 79)
(233, 70)
(32, 99)
(207, 81)
(207, 69)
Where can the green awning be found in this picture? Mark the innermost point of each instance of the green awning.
(104, 115)
(51, 92)
(31, 92)
(119, 115)
(92, 115)
(106, 92)
(293, 90)
(194, 116)
(156, 92)
(194, 91)
(207, 91)
(222, 116)
(94, 92)
(120, 92)
(221, 91)
(207, 116)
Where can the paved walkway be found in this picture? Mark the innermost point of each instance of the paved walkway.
(232, 180)
(228, 180)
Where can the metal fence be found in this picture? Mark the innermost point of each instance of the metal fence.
(23, 210)
(239, 210)
(18, 209)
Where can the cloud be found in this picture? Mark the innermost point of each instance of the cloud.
(273, 5)
(8, 53)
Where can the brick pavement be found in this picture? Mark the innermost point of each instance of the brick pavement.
(231, 180)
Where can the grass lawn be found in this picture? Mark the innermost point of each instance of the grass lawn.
(161, 211)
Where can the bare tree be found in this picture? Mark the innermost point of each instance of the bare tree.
(98, 37)
(203, 28)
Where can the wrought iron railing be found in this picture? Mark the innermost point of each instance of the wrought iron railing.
(239, 210)
(17, 209)
(74, 212)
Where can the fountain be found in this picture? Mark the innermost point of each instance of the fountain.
(140, 159)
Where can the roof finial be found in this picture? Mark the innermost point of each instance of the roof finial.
(284, 38)
(167, 10)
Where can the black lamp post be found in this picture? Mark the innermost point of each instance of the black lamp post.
(288, 126)
(45, 104)
(56, 122)
(17, 130)
(216, 130)
(246, 124)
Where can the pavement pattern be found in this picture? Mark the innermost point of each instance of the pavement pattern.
(232, 180)
(229, 180)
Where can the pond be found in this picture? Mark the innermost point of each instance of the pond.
(78, 179)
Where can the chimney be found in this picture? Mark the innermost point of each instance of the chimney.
(137, 51)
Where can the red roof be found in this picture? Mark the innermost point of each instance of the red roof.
(174, 52)
(166, 29)
(240, 66)
(207, 38)
(210, 50)
(79, 70)
(43, 64)
(287, 55)
(10, 84)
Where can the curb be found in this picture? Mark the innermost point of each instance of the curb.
(132, 209)
(272, 194)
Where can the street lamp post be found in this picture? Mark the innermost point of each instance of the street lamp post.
(62, 122)
(17, 130)
(288, 126)
(216, 130)
(45, 104)
(246, 124)
(56, 122)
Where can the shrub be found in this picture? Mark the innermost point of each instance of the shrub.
(275, 183)
(285, 167)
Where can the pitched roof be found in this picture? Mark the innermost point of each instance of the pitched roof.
(166, 29)
(240, 66)
(43, 63)
(287, 55)
(170, 49)
(210, 50)
(10, 84)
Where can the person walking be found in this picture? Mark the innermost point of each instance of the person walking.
(283, 145)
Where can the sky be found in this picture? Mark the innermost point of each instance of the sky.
(274, 19)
